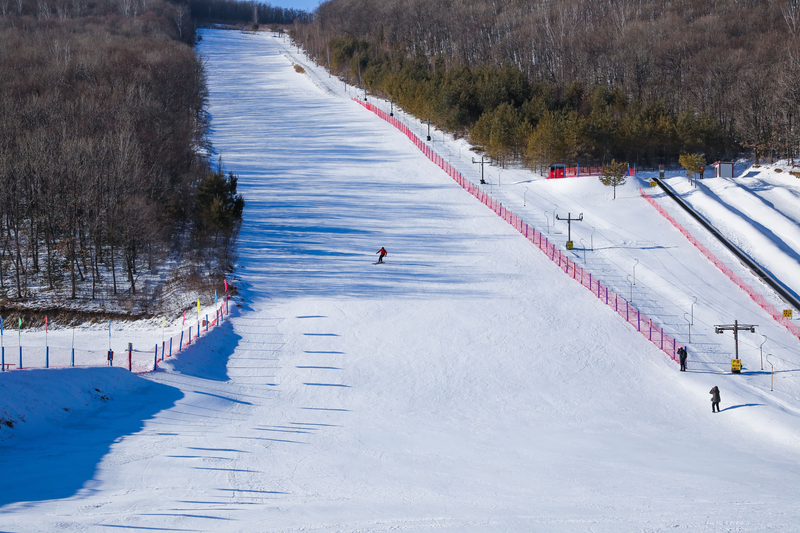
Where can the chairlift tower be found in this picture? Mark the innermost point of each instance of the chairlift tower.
(736, 363)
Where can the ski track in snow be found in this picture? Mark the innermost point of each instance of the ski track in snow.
(466, 385)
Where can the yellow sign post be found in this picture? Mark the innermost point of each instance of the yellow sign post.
(787, 313)
(569, 245)
(736, 366)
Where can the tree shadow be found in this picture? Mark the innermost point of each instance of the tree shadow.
(208, 356)
(62, 462)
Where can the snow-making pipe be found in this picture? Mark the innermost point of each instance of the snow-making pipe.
(759, 272)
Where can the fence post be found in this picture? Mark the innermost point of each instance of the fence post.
(130, 357)
(650, 334)
(3, 359)
(163, 347)
(170, 347)
(20, 357)
(198, 330)
(47, 357)
(155, 358)
(673, 349)
(206, 322)
(638, 317)
(627, 312)
(662, 338)
(73, 357)
(180, 344)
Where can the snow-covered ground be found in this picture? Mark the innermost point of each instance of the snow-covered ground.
(465, 385)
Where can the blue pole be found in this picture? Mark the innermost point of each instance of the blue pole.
(73, 357)
(198, 330)
(20, 357)
(155, 360)
(170, 347)
(206, 323)
(579, 170)
(47, 357)
(3, 350)
(180, 344)
(163, 345)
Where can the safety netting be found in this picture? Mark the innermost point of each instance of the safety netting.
(622, 307)
(138, 359)
(754, 295)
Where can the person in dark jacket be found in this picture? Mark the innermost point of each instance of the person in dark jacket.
(682, 354)
(715, 399)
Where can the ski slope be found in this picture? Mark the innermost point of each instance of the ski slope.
(465, 385)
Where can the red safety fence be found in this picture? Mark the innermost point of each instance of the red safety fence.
(622, 307)
(559, 172)
(136, 360)
(755, 296)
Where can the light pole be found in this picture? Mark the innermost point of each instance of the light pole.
(690, 327)
(628, 277)
(523, 196)
(429, 128)
(761, 350)
(634, 271)
(391, 108)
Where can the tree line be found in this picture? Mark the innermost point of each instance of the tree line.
(237, 11)
(105, 191)
(579, 81)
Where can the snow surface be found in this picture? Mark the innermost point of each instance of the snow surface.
(465, 385)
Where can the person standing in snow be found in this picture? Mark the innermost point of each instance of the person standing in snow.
(383, 253)
(682, 354)
(715, 399)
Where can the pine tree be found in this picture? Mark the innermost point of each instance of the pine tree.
(614, 174)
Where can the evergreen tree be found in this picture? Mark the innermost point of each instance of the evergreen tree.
(614, 174)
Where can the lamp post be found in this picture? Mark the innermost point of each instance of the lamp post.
(523, 196)
(628, 277)
(634, 271)
(391, 108)
(429, 128)
(690, 327)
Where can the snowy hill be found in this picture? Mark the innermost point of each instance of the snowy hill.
(466, 385)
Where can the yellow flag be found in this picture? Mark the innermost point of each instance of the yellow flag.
(198, 306)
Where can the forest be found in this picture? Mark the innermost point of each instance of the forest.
(107, 197)
(579, 81)
(249, 12)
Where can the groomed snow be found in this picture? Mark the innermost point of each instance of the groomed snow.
(465, 385)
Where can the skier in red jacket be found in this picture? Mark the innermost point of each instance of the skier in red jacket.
(383, 253)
